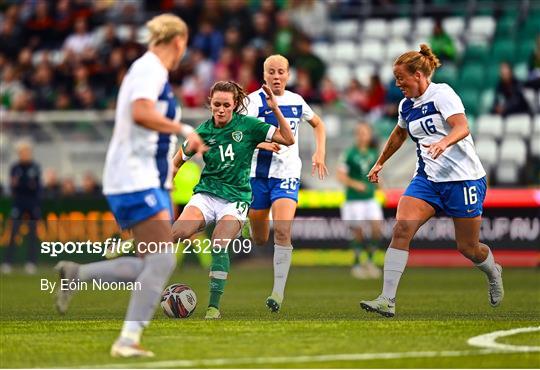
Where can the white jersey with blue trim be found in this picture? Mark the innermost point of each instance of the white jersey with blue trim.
(287, 163)
(425, 120)
(139, 158)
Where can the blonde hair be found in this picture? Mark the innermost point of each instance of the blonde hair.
(163, 28)
(276, 58)
(424, 61)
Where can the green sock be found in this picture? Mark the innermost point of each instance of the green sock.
(357, 247)
(219, 270)
(374, 244)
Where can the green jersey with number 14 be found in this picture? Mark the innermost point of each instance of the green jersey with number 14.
(228, 159)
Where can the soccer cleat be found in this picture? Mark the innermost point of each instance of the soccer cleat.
(496, 290)
(373, 271)
(120, 349)
(382, 305)
(70, 271)
(212, 313)
(6, 269)
(359, 272)
(30, 268)
(274, 302)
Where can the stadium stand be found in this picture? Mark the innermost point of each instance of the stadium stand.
(359, 39)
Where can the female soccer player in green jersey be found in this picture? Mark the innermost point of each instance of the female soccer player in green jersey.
(361, 209)
(223, 194)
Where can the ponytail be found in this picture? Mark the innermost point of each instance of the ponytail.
(239, 95)
(424, 60)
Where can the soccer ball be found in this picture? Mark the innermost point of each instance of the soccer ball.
(178, 301)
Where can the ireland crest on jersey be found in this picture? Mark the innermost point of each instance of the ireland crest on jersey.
(237, 136)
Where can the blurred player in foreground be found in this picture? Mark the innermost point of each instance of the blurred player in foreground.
(223, 194)
(275, 170)
(361, 209)
(449, 176)
(137, 180)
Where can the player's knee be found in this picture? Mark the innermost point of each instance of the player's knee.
(402, 230)
(282, 236)
(179, 233)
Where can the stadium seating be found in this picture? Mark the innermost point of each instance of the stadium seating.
(518, 125)
(487, 151)
(513, 150)
(507, 173)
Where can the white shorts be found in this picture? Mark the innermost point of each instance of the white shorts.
(214, 208)
(356, 212)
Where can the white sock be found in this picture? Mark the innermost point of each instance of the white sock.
(488, 266)
(282, 263)
(132, 331)
(118, 269)
(395, 261)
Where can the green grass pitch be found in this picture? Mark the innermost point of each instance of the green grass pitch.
(320, 324)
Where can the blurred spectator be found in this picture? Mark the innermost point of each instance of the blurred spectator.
(25, 181)
(305, 59)
(375, 94)
(208, 40)
(43, 88)
(264, 31)
(10, 87)
(189, 11)
(79, 41)
(90, 185)
(269, 8)
(392, 99)
(329, 92)
(63, 101)
(533, 79)
(68, 187)
(63, 21)
(109, 43)
(25, 68)
(237, 14)
(310, 17)
(132, 48)
(233, 39)
(40, 27)
(441, 43)
(226, 67)
(51, 184)
(304, 87)
(284, 35)
(203, 69)
(125, 11)
(246, 79)
(509, 97)
(355, 95)
(11, 39)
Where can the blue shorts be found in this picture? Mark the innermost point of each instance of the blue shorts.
(131, 208)
(267, 190)
(454, 198)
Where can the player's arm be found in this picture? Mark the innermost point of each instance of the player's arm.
(145, 114)
(349, 182)
(459, 131)
(283, 134)
(318, 158)
(178, 160)
(394, 142)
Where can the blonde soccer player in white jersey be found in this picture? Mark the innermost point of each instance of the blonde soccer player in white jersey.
(449, 177)
(275, 170)
(137, 179)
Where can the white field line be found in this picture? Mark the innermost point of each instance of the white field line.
(487, 341)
